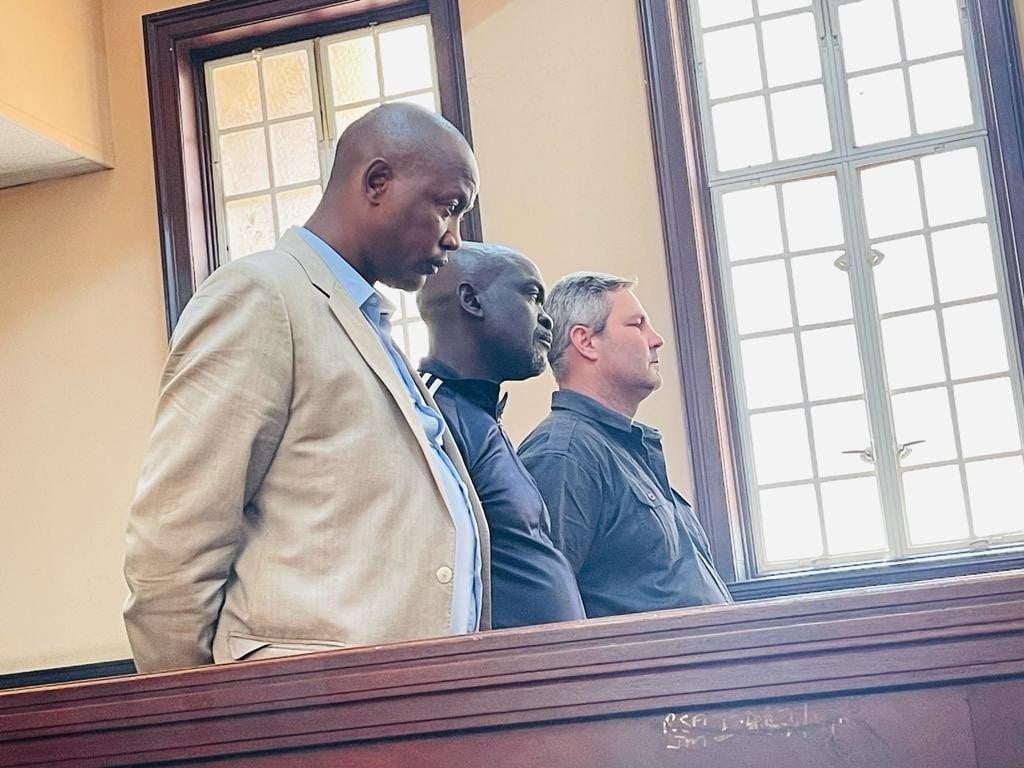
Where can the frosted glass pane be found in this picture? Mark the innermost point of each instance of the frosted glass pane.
(353, 66)
(764, 7)
(731, 61)
(293, 148)
(941, 95)
(295, 206)
(996, 488)
(839, 427)
(831, 362)
(752, 223)
(924, 415)
(425, 100)
(974, 339)
(986, 416)
(869, 36)
(952, 186)
(286, 79)
(903, 279)
(419, 343)
(963, 262)
(930, 27)
(789, 522)
(822, 290)
(236, 95)
(853, 516)
(243, 162)
(781, 450)
(913, 355)
(791, 53)
(812, 213)
(715, 12)
(878, 103)
(801, 122)
(741, 133)
(761, 297)
(935, 505)
(250, 225)
(771, 373)
(405, 59)
(343, 118)
(891, 199)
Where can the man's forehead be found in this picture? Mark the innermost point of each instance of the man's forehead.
(625, 302)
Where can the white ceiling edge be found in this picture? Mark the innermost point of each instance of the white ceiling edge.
(27, 156)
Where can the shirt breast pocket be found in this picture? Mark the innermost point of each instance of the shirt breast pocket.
(654, 512)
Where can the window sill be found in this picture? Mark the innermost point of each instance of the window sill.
(878, 574)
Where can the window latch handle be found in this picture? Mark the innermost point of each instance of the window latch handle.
(905, 449)
(866, 454)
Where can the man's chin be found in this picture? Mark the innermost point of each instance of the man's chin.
(405, 282)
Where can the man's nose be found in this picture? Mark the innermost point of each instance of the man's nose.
(451, 240)
(656, 340)
(544, 319)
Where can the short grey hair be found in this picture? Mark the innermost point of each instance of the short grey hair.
(579, 298)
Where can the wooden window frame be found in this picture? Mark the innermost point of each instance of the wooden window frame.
(180, 41)
(697, 304)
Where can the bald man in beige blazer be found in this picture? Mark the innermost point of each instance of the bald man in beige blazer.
(289, 501)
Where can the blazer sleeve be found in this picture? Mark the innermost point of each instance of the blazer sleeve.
(222, 409)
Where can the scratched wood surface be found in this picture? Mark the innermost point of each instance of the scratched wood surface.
(928, 676)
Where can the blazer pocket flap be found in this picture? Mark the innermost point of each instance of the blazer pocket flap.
(242, 646)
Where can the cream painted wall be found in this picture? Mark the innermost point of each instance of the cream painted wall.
(82, 341)
(561, 132)
(66, 98)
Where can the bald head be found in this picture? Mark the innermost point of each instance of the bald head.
(405, 134)
(403, 178)
(474, 264)
(485, 314)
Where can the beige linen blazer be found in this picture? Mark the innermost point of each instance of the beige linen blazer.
(287, 502)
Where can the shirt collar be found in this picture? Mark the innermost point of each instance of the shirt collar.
(588, 407)
(370, 302)
(482, 392)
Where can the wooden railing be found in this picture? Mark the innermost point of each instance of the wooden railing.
(922, 676)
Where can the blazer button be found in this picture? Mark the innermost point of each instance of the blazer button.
(444, 574)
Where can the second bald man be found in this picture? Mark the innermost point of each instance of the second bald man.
(487, 325)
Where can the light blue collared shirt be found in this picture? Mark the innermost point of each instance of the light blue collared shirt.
(467, 585)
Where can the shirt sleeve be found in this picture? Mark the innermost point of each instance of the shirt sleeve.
(222, 409)
(573, 497)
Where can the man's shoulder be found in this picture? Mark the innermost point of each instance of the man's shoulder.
(563, 433)
(471, 425)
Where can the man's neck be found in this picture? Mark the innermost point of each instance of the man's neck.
(607, 397)
(462, 359)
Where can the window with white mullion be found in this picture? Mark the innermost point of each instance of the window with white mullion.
(802, 398)
(764, 85)
(952, 368)
(266, 128)
(908, 70)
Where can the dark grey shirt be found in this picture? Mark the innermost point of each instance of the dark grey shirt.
(632, 540)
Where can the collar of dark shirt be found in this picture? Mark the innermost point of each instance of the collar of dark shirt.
(482, 392)
(569, 400)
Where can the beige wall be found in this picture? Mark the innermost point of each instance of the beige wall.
(62, 43)
(81, 344)
(567, 174)
(561, 131)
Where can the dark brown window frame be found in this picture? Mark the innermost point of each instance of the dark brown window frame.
(179, 41)
(697, 303)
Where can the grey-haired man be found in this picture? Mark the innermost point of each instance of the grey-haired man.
(632, 540)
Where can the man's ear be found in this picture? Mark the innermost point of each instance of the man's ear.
(582, 339)
(378, 176)
(469, 300)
